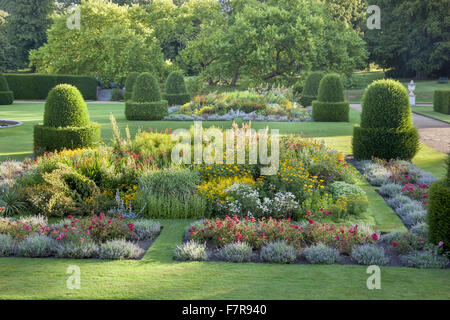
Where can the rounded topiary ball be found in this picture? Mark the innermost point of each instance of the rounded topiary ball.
(175, 83)
(129, 84)
(386, 105)
(146, 89)
(65, 107)
(311, 88)
(331, 88)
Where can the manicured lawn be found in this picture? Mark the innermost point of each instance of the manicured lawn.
(424, 90)
(428, 111)
(157, 276)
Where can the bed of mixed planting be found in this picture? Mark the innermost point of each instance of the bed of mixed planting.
(309, 210)
(273, 105)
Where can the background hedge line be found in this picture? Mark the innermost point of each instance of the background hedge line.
(441, 101)
(37, 86)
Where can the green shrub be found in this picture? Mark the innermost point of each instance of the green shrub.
(441, 101)
(6, 96)
(192, 251)
(146, 111)
(37, 86)
(129, 85)
(117, 94)
(321, 254)
(369, 254)
(386, 129)
(278, 252)
(235, 252)
(311, 89)
(176, 93)
(119, 249)
(331, 111)
(330, 106)
(343, 189)
(425, 259)
(195, 86)
(7, 245)
(66, 122)
(331, 88)
(146, 89)
(37, 246)
(439, 211)
(146, 103)
(65, 107)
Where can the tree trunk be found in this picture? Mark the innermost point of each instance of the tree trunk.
(235, 75)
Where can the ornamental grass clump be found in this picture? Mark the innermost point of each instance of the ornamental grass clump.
(36, 246)
(321, 254)
(386, 129)
(311, 89)
(192, 251)
(235, 252)
(369, 254)
(119, 249)
(146, 103)
(278, 252)
(330, 105)
(66, 122)
(176, 93)
(6, 96)
(7, 245)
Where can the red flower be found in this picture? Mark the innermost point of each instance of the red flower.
(374, 237)
(394, 244)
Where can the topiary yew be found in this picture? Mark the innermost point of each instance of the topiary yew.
(386, 129)
(176, 93)
(146, 103)
(129, 84)
(330, 106)
(311, 89)
(6, 96)
(439, 210)
(66, 122)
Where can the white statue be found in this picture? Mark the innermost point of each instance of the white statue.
(412, 96)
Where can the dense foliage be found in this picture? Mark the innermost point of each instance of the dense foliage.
(176, 93)
(6, 95)
(129, 84)
(311, 89)
(330, 105)
(441, 101)
(386, 129)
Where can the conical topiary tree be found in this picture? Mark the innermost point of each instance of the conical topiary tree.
(386, 129)
(439, 211)
(6, 96)
(176, 93)
(129, 84)
(146, 103)
(66, 122)
(311, 89)
(330, 106)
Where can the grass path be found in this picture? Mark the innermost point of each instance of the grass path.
(157, 276)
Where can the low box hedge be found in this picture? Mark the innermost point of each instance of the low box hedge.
(37, 86)
(441, 101)
(146, 111)
(6, 97)
(177, 98)
(51, 139)
(438, 213)
(330, 111)
(385, 143)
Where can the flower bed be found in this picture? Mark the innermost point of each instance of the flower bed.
(249, 106)
(100, 237)
(285, 241)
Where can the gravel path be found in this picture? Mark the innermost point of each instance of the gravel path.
(432, 132)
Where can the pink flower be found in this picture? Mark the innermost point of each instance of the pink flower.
(374, 237)
(394, 244)
(441, 243)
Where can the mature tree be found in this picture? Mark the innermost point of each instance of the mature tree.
(111, 42)
(27, 24)
(414, 38)
(6, 50)
(352, 12)
(273, 41)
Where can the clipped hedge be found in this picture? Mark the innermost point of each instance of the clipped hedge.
(331, 111)
(129, 84)
(385, 143)
(146, 103)
(6, 95)
(146, 111)
(37, 86)
(439, 210)
(66, 122)
(386, 129)
(330, 106)
(311, 89)
(177, 98)
(441, 101)
(51, 139)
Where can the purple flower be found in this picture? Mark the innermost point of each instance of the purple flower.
(441, 243)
